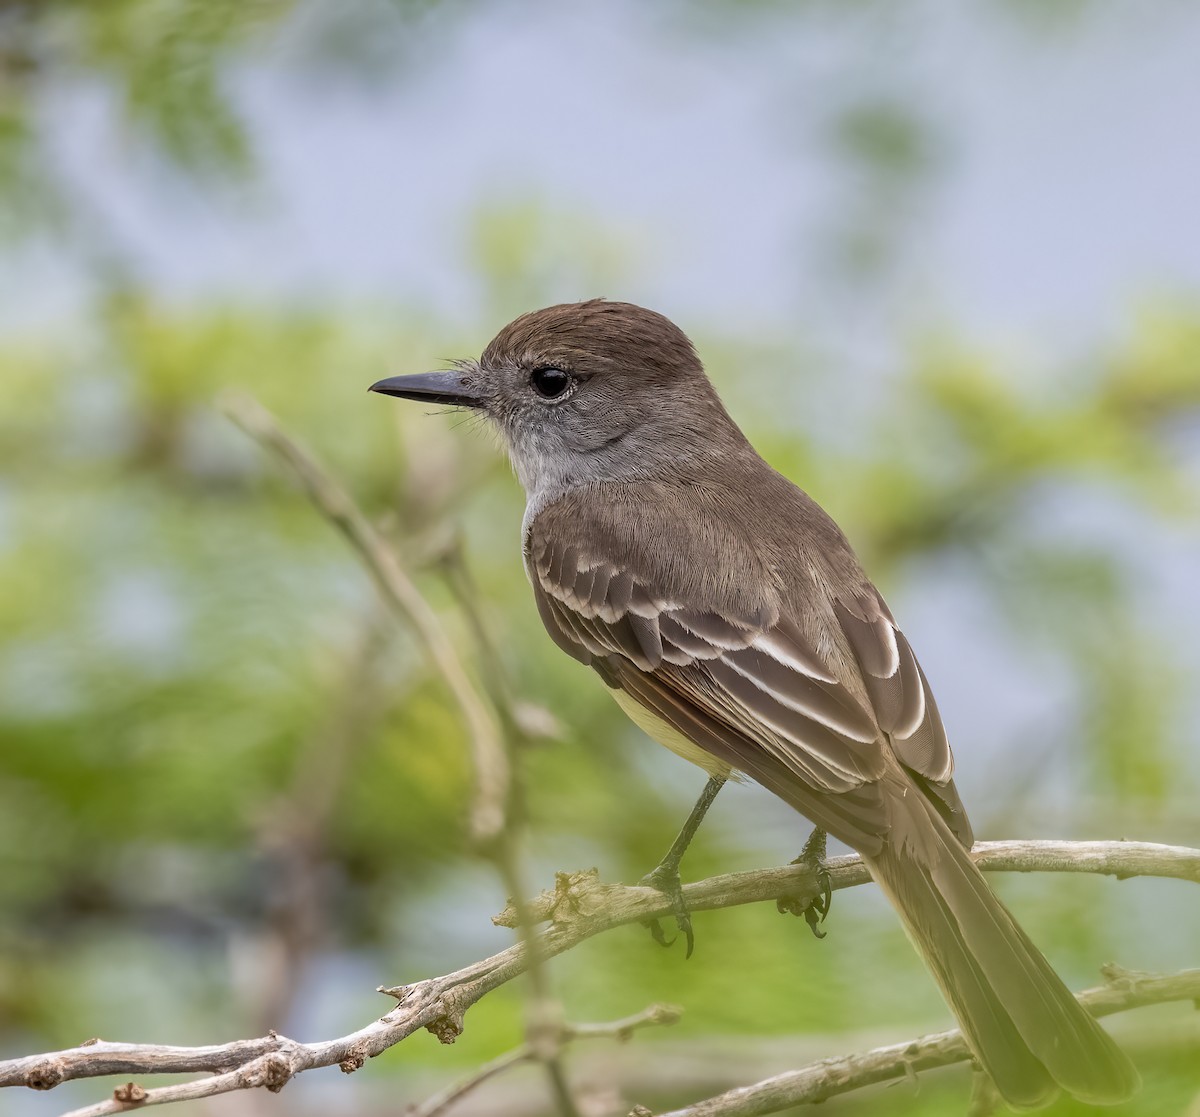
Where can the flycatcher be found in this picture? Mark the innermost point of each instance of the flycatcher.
(735, 625)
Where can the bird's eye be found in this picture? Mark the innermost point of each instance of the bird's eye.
(550, 382)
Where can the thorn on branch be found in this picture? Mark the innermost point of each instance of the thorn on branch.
(129, 1094)
(571, 893)
(446, 1028)
(656, 1014)
(45, 1075)
(574, 895)
(1123, 978)
(354, 1060)
(276, 1072)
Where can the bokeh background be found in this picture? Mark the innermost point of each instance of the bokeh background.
(943, 262)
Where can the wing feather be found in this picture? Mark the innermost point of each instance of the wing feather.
(898, 689)
(734, 684)
(826, 702)
(557, 623)
(684, 641)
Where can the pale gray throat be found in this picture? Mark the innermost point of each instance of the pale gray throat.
(549, 468)
(545, 480)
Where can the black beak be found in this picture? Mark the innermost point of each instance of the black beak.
(431, 387)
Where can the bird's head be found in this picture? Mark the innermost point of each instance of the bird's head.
(584, 392)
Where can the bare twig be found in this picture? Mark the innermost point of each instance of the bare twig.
(492, 743)
(580, 907)
(817, 1082)
(1118, 859)
(544, 1028)
(545, 1031)
(398, 589)
(616, 1029)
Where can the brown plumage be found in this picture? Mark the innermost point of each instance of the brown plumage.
(718, 597)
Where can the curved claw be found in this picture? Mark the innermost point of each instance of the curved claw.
(665, 880)
(814, 923)
(816, 910)
(814, 916)
(825, 881)
(654, 926)
(684, 923)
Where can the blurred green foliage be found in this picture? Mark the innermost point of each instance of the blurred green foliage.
(225, 772)
(167, 65)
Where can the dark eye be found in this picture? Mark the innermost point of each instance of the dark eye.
(550, 382)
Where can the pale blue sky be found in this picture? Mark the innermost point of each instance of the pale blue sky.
(1071, 168)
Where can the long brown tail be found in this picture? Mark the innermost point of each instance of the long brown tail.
(1025, 1027)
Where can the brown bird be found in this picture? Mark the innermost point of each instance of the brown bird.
(734, 624)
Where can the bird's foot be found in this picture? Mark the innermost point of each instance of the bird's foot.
(815, 910)
(665, 878)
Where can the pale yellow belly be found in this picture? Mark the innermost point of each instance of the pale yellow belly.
(669, 737)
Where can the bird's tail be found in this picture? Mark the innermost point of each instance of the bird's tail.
(1024, 1026)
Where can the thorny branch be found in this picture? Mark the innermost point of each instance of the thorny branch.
(580, 907)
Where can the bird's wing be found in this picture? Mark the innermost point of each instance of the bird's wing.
(899, 692)
(750, 689)
(903, 703)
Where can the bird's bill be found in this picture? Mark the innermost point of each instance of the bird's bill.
(449, 387)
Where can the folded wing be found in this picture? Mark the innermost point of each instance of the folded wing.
(749, 688)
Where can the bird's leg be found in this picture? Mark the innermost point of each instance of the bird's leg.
(815, 911)
(665, 877)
